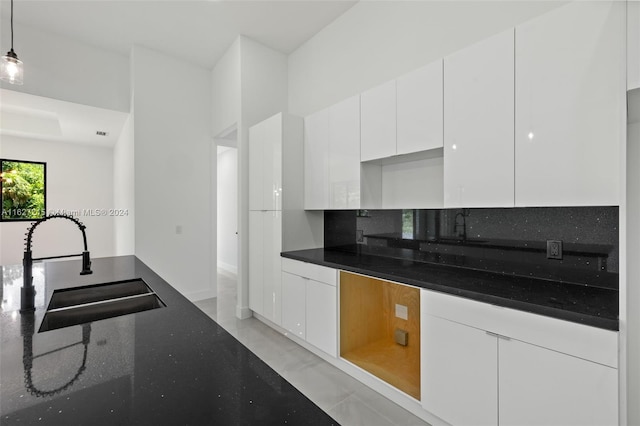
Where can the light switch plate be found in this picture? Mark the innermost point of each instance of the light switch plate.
(402, 312)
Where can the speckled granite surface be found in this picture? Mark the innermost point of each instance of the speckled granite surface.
(167, 366)
(568, 299)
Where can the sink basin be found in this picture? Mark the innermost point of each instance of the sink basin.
(80, 305)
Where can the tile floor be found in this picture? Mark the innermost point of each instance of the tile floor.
(342, 397)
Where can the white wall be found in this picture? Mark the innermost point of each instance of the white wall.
(172, 132)
(78, 177)
(227, 225)
(123, 190)
(64, 68)
(263, 86)
(633, 45)
(376, 41)
(225, 88)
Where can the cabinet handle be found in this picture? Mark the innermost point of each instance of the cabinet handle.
(499, 336)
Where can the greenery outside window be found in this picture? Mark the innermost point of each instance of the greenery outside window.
(408, 224)
(24, 190)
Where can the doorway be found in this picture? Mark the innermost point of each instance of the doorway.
(227, 200)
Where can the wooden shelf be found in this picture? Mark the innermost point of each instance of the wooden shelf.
(397, 365)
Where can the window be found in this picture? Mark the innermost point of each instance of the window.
(24, 190)
(407, 224)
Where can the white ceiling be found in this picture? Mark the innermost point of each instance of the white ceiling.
(199, 31)
(41, 118)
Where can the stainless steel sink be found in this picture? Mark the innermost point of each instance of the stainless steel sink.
(80, 305)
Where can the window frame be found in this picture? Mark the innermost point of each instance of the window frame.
(44, 164)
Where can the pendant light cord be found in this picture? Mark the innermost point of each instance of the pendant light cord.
(12, 25)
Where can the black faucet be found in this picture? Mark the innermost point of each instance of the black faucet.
(28, 291)
(463, 225)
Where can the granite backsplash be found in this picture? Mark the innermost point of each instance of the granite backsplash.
(507, 240)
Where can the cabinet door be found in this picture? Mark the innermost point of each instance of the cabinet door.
(544, 387)
(378, 122)
(272, 246)
(459, 372)
(316, 161)
(321, 316)
(294, 304)
(478, 124)
(420, 110)
(265, 164)
(256, 261)
(570, 105)
(256, 169)
(272, 158)
(344, 154)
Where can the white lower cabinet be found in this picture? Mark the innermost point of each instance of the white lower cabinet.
(265, 228)
(294, 304)
(485, 365)
(459, 366)
(309, 304)
(544, 387)
(321, 316)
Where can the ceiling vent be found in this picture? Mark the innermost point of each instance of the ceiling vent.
(101, 133)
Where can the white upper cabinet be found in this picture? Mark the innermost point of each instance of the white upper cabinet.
(403, 116)
(344, 154)
(378, 122)
(265, 162)
(478, 124)
(570, 105)
(419, 109)
(332, 157)
(316, 161)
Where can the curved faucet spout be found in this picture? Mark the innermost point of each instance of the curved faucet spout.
(28, 292)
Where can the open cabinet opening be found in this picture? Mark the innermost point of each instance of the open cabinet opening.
(373, 315)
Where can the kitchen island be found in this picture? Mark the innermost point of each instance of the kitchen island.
(171, 365)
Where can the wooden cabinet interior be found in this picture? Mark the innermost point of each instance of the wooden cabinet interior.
(367, 325)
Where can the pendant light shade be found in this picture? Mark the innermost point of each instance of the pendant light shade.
(11, 69)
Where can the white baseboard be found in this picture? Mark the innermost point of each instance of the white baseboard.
(243, 312)
(227, 267)
(200, 295)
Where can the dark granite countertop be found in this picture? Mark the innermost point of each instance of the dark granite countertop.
(167, 366)
(590, 305)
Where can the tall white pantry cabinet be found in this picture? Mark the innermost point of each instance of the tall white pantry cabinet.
(276, 197)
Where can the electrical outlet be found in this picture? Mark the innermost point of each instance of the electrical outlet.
(554, 249)
(402, 312)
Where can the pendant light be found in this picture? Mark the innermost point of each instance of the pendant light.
(11, 67)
